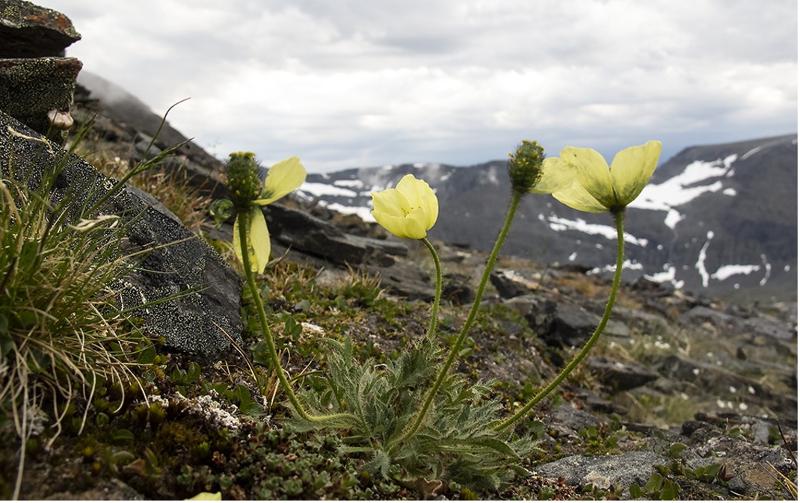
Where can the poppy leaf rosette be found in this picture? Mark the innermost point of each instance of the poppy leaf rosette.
(596, 188)
(409, 210)
(281, 179)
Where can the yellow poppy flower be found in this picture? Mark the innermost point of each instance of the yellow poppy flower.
(596, 187)
(282, 178)
(409, 210)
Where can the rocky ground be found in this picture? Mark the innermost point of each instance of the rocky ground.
(683, 397)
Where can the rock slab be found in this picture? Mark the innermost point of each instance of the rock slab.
(31, 88)
(604, 472)
(30, 31)
(202, 322)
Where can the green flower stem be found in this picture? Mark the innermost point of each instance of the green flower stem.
(619, 218)
(244, 224)
(498, 244)
(437, 296)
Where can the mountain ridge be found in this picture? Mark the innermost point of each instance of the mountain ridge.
(704, 222)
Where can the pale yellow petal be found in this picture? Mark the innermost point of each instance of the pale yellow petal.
(556, 175)
(392, 223)
(632, 168)
(416, 224)
(577, 197)
(207, 496)
(593, 173)
(420, 195)
(282, 178)
(411, 188)
(390, 201)
(259, 240)
(237, 247)
(431, 205)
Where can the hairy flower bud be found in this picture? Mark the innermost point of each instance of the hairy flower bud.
(525, 166)
(244, 182)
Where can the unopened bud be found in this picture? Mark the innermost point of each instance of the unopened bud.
(525, 166)
(243, 178)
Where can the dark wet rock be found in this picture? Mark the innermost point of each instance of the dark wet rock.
(195, 323)
(30, 31)
(511, 284)
(604, 472)
(314, 236)
(457, 289)
(31, 88)
(620, 376)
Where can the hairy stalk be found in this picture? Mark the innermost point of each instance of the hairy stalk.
(451, 357)
(244, 224)
(619, 218)
(437, 296)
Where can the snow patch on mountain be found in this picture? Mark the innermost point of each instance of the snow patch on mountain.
(767, 270)
(627, 264)
(667, 275)
(324, 189)
(362, 212)
(562, 224)
(700, 265)
(355, 184)
(694, 181)
(726, 271)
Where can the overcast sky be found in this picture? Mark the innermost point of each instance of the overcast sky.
(346, 83)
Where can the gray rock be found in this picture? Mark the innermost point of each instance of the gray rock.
(760, 430)
(111, 489)
(648, 288)
(30, 31)
(770, 328)
(510, 284)
(604, 472)
(700, 314)
(31, 88)
(197, 322)
(620, 376)
(457, 289)
(747, 465)
(562, 323)
(571, 325)
(567, 420)
(720, 380)
(314, 236)
(405, 279)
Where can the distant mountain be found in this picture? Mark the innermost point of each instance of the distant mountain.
(715, 218)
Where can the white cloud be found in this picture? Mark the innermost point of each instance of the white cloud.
(352, 83)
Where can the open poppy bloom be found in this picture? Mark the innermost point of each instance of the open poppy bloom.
(596, 187)
(282, 178)
(409, 210)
